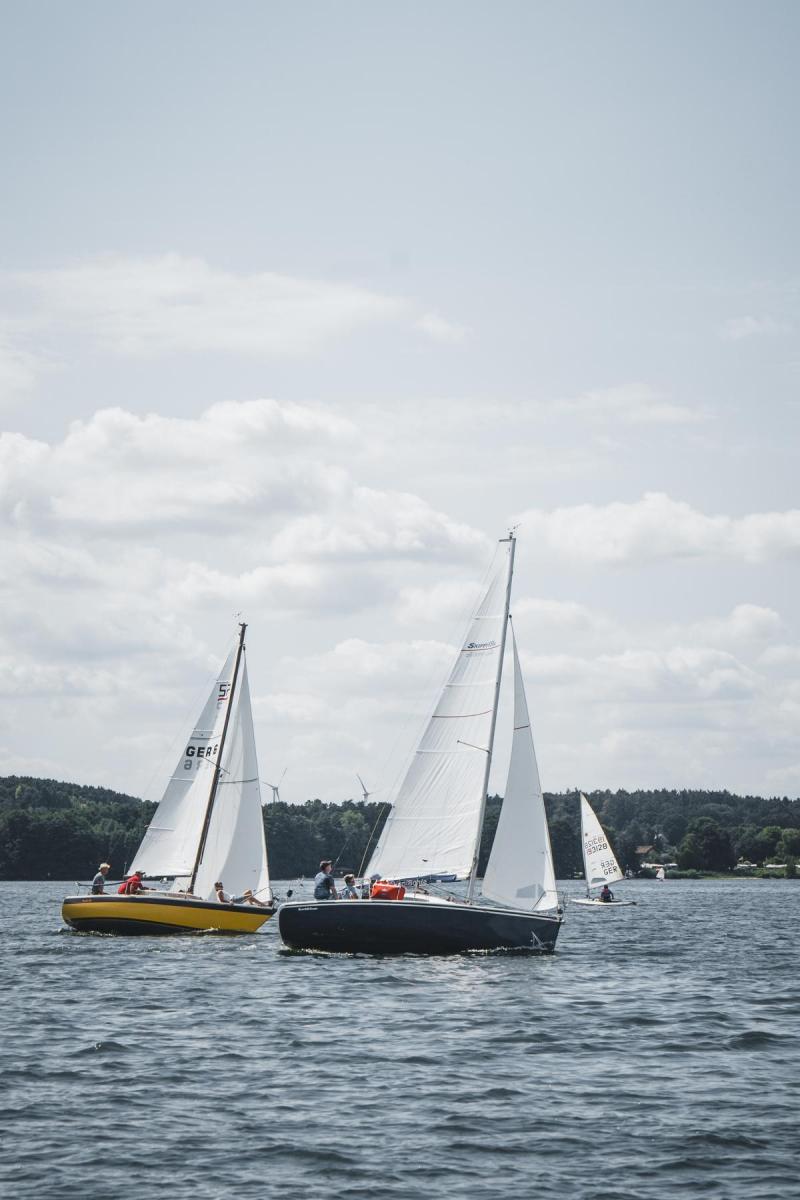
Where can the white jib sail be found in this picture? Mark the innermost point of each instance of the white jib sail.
(169, 846)
(432, 826)
(520, 872)
(235, 851)
(599, 864)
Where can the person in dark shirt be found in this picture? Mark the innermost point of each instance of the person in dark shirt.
(324, 886)
(606, 895)
(99, 881)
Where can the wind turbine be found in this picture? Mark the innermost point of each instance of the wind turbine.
(276, 794)
(364, 791)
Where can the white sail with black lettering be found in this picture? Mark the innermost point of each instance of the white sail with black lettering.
(169, 846)
(599, 864)
(520, 869)
(235, 851)
(433, 824)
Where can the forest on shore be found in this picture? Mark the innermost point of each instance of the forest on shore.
(55, 830)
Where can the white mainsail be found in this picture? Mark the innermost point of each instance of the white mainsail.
(234, 849)
(169, 846)
(433, 825)
(599, 864)
(520, 869)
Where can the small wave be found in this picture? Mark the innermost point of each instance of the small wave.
(754, 1039)
(101, 1048)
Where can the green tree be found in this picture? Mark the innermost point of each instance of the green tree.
(706, 847)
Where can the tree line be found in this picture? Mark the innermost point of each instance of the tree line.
(55, 830)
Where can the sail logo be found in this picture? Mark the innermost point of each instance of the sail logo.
(224, 688)
(481, 645)
(198, 754)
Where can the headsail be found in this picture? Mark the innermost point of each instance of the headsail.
(599, 864)
(520, 869)
(433, 825)
(169, 846)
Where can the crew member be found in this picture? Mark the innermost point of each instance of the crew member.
(99, 881)
(324, 886)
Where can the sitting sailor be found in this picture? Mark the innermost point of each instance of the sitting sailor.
(349, 891)
(324, 886)
(606, 894)
(99, 881)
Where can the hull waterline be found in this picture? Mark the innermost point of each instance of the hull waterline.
(408, 927)
(160, 915)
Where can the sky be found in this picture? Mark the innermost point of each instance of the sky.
(303, 306)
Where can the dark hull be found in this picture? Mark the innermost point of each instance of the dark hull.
(409, 927)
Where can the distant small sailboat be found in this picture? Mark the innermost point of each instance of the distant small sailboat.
(208, 827)
(661, 874)
(599, 863)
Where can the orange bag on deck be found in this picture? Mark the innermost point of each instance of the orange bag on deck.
(387, 891)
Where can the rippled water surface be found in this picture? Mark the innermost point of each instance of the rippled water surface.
(655, 1054)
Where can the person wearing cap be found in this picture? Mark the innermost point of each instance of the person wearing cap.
(349, 892)
(99, 881)
(324, 886)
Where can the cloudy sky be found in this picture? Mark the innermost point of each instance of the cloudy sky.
(301, 305)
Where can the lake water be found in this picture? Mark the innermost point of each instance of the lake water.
(655, 1054)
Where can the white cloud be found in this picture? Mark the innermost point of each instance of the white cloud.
(19, 370)
(736, 329)
(656, 529)
(632, 403)
(441, 330)
(445, 601)
(149, 306)
(169, 303)
(745, 623)
(376, 523)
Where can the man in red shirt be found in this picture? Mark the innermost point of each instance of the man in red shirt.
(132, 885)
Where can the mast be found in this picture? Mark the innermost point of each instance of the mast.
(212, 795)
(474, 872)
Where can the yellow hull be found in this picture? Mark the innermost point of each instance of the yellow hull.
(160, 914)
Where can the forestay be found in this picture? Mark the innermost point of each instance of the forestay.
(170, 845)
(433, 824)
(599, 864)
(520, 869)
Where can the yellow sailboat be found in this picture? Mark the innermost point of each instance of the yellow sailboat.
(208, 828)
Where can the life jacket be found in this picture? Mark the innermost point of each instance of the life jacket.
(387, 891)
